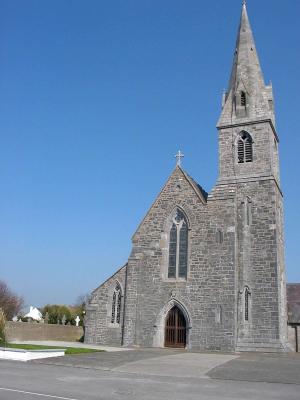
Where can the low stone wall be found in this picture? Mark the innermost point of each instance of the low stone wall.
(32, 331)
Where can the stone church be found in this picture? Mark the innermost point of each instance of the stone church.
(206, 271)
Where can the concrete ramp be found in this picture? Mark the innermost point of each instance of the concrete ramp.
(184, 365)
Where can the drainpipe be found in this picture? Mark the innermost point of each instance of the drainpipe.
(296, 337)
(124, 305)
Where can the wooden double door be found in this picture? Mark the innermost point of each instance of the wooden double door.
(175, 330)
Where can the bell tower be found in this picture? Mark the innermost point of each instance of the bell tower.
(249, 172)
(248, 140)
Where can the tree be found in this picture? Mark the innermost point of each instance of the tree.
(2, 327)
(56, 313)
(80, 306)
(82, 301)
(10, 302)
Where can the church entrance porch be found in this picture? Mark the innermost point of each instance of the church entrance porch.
(175, 329)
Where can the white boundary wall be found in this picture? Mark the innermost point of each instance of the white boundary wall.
(26, 355)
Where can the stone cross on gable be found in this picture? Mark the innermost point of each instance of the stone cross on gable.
(179, 156)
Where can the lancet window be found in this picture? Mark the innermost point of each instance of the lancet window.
(178, 246)
(245, 148)
(116, 305)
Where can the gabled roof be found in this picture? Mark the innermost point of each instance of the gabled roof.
(199, 191)
(106, 280)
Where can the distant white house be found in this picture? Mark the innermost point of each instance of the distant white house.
(34, 313)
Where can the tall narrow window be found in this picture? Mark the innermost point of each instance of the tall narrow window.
(248, 211)
(219, 236)
(116, 305)
(173, 252)
(245, 148)
(183, 244)
(247, 294)
(243, 99)
(178, 246)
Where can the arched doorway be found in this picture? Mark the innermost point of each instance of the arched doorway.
(175, 328)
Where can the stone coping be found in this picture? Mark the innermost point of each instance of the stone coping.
(14, 350)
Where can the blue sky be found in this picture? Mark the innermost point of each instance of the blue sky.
(96, 97)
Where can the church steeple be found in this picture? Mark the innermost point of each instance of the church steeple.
(247, 96)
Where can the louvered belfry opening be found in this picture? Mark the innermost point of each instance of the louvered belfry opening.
(175, 331)
(245, 148)
(243, 99)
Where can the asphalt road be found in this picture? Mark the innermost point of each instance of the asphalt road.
(153, 374)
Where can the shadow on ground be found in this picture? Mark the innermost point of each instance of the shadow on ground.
(107, 360)
(256, 367)
(251, 367)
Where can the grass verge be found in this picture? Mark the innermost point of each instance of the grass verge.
(69, 350)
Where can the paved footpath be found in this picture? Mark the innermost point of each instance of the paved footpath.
(150, 374)
(71, 344)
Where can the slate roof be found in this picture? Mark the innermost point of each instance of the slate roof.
(293, 302)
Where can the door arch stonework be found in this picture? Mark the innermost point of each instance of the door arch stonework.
(159, 327)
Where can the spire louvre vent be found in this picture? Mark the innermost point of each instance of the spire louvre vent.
(245, 148)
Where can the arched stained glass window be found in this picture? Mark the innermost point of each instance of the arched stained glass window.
(172, 251)
(116, 305)
(183, 250)
(178, 246)
(245, 148)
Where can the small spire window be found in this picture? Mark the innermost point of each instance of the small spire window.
(245, 148)
(243, 99)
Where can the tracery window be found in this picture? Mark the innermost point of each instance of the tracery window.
(245, 148)
(116, 305)
(178, 246)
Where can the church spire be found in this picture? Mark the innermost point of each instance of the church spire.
(247, 95)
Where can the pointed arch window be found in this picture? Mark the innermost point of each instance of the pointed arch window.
(116, 305)
(245, 148)
(178, 246)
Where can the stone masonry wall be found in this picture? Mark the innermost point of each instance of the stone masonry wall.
(98, 326)
(19, 331)
(257, 263)
(265, 153)
(207, 296)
